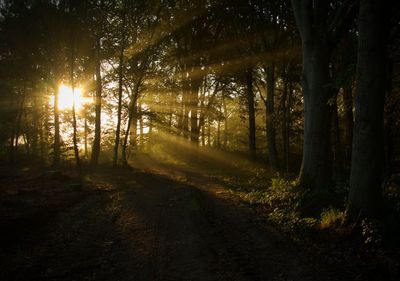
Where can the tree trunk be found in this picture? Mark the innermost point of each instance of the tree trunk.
(336, 145)
(270, 126)
(132, 118)
(119, 112)
(251, 112)
(318, 41)
(285, 121)
(368, 151)
(185, 108)
(219, 127)
(141, 124)
(86, 136)
(225, 123)
(203, 134)
(72, 81)
(17, 128)
(120, 86)
(316, 171)
(208, 131)
(56, 149)
(97, 130)
(44, 138)
(194, 100)
(348, 124)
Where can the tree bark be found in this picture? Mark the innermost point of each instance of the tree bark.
(337, 155)
(348, 124)
(368, 151)
(316, 170)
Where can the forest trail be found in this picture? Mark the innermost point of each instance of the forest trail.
(154, 223)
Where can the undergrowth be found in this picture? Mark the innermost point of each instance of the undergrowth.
(282, 199)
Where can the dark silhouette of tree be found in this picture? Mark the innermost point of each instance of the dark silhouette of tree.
(368, 150)
(321, 24)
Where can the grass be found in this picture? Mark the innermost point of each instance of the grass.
(282, 198)
(331, 218)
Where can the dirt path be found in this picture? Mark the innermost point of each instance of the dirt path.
(158, 224)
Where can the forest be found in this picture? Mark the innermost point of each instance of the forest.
(199, 140)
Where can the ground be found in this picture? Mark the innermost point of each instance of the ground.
(148, 222)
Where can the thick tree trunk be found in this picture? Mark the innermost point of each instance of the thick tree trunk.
(348, 124)
(316, 171)
(391, 108)
(97, 130)
(368, 152)
(251, 112)
(270, 126)
(337, 155)
(319, 32)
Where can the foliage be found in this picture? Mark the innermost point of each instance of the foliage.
(371, 231)
(331, 218)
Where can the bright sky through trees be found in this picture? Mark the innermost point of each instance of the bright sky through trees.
(67, 97)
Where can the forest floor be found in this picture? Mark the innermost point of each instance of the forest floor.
(153, 221)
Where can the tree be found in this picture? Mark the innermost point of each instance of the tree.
(120, 82)
(98, 34)
(270, 116)
(368, 145)
(321, 24)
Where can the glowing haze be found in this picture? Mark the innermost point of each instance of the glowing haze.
(67, 97)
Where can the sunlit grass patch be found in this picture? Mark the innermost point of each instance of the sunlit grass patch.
(332, 217)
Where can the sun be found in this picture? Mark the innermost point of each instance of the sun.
(67, 97)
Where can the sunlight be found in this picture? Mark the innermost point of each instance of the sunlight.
(67, 98)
